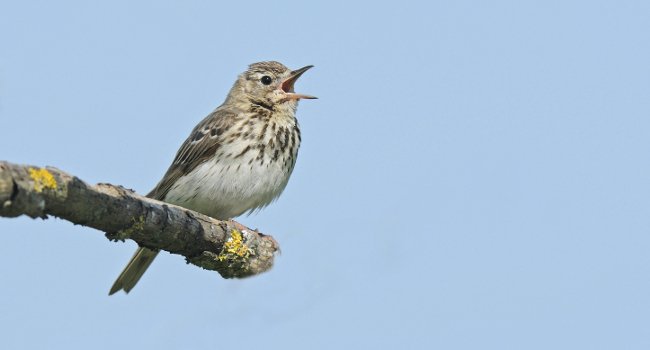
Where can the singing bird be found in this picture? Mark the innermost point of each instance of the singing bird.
(236, 160)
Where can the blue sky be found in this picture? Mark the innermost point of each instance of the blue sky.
(474, 175)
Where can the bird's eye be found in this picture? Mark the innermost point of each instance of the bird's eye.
(266, 80)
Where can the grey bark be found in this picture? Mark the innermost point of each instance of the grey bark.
(223, 246)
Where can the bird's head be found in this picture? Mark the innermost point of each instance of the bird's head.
(268, 84)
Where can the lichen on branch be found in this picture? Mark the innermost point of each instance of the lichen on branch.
(223, 246)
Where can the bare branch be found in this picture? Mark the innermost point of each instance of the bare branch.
(224, 246)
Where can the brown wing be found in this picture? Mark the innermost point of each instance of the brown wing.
(201, 145)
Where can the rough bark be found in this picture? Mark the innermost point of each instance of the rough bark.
(224, 246)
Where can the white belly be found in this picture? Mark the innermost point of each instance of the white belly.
(231, 187)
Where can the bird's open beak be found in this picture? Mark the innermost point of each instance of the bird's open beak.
(287, 84)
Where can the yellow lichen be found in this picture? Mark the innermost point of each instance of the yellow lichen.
(43, 179)
(235, 247)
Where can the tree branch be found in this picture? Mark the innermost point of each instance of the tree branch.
(224, 246)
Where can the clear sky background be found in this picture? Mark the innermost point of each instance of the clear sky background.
(474, 175)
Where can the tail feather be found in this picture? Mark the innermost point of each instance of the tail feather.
(139, 263)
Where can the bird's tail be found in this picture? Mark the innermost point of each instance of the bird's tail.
(134, 270)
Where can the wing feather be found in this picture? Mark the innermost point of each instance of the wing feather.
(201, 145)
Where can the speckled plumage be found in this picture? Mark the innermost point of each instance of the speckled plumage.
(236, 160)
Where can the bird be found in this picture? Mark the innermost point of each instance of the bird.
(237, 160)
